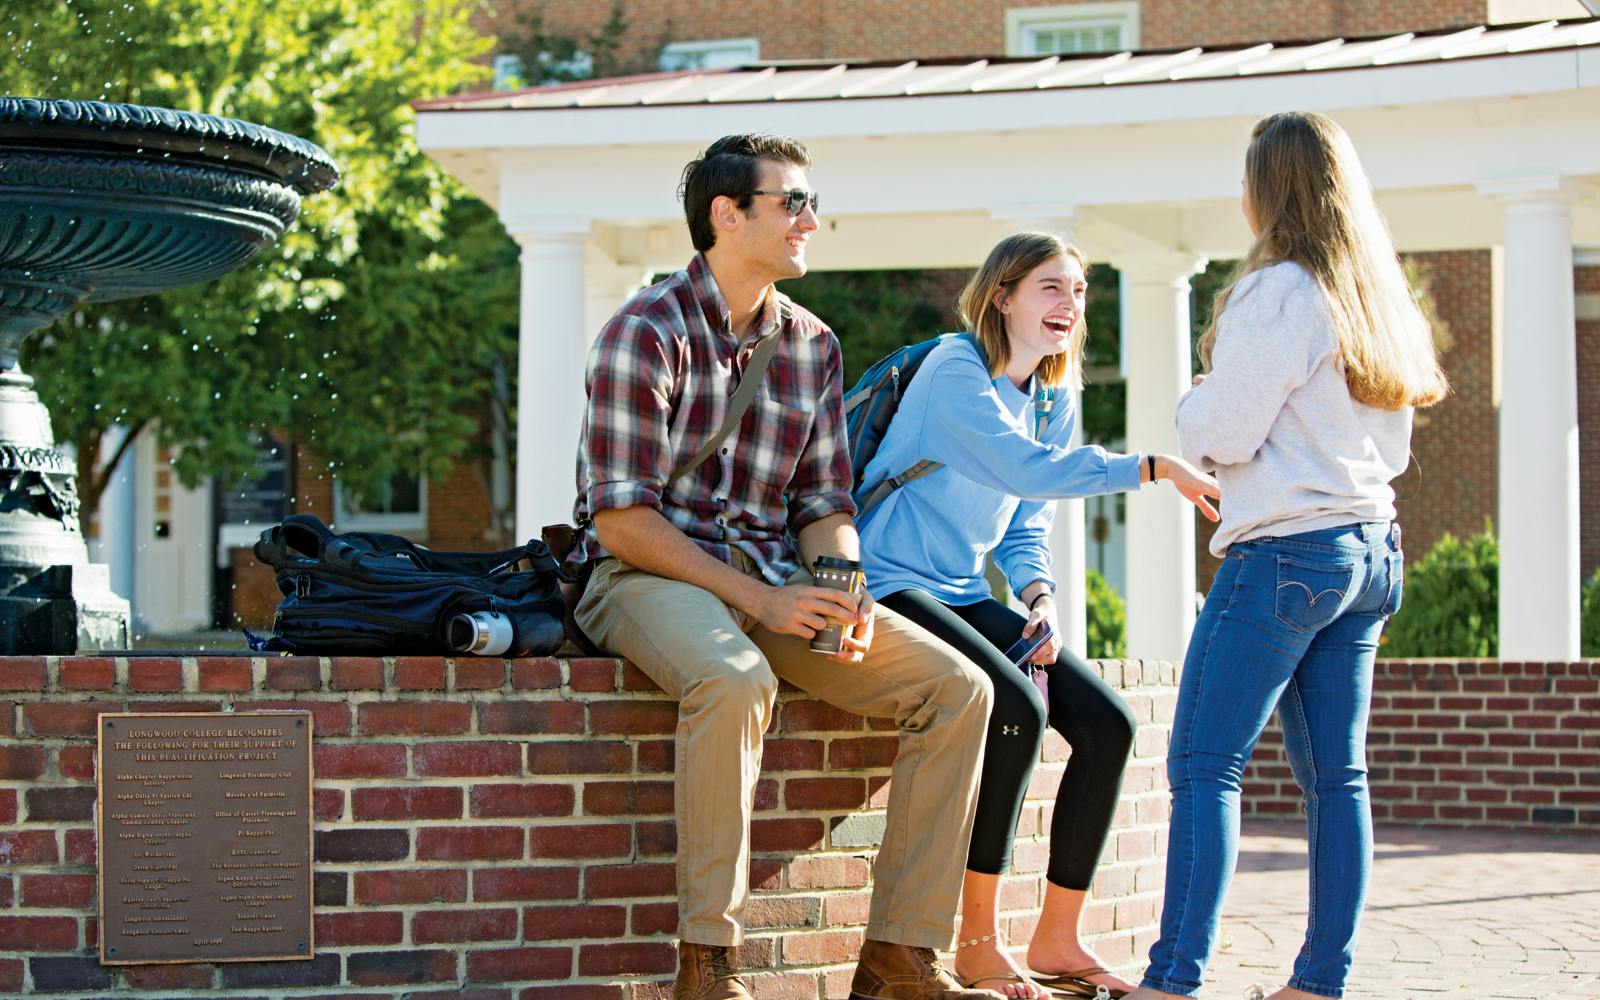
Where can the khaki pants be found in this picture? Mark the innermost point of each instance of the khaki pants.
(724, 671)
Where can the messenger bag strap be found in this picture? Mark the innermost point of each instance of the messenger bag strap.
(754, 374)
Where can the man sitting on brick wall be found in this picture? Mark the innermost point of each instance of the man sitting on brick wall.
(696, 579)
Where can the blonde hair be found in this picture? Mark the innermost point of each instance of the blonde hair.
(1013, 259)
(1313, 205)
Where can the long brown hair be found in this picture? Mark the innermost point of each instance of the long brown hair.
(1013, 259)
(1313, 205)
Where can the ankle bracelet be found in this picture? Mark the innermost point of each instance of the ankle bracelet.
(976, 941)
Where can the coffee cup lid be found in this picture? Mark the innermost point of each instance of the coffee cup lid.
(834, 562)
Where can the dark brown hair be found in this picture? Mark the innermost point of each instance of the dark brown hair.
(731, 166)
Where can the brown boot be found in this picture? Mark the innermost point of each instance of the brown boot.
(900, 972)
(705, 972)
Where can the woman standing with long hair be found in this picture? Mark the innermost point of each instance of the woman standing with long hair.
(974, 406)
(1316, 355)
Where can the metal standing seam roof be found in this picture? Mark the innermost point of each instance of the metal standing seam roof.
(826, 81)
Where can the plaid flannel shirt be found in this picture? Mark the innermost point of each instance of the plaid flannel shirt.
(660, 377)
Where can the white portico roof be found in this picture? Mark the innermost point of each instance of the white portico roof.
(828, 81)
(924, 164)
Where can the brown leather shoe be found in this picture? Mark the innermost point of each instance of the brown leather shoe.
(900, 972)
(706, 972)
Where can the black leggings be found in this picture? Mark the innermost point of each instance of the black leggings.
(1083, 708)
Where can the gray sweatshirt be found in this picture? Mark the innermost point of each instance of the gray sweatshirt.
(1274, 420)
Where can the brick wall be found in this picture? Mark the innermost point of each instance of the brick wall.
(1468, 743)
(933, 29)
(1453, 480)
(489, 828)
(1587, 280)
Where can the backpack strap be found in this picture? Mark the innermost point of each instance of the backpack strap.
(743, 396)
(888, 486)
(1044, 400)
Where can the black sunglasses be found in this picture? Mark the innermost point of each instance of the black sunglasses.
(795, 201)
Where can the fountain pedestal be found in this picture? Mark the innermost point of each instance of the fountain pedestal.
(52, 599)
(99, 202)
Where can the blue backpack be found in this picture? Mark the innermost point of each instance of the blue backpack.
(870, 406)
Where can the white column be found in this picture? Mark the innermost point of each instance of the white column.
(1067, 546)
(550, 367)
(1067, 537)
(115, 544)
(1156, 361)
(1538, 524)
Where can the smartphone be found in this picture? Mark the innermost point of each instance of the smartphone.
(1025, 647)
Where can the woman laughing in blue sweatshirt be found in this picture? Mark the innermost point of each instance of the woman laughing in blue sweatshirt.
(973, 407)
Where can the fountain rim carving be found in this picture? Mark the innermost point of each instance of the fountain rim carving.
(109, 128)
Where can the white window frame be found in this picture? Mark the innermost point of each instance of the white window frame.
(1022, 22)
(408, 522)
(709, 53)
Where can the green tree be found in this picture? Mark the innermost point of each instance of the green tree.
(368, 332)
(1589, 621)
(1105, 395)
(1106, 619)
(874, 312)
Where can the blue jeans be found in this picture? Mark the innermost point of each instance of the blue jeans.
(1290, 622)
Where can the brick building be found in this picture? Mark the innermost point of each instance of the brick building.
(944, 29)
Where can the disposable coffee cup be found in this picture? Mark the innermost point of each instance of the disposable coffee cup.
(839, 574)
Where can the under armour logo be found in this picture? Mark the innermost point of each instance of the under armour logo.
(1011, 730)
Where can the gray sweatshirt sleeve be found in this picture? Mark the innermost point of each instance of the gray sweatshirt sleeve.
(1271, 336)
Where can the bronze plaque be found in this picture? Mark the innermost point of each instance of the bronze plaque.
(204, 831)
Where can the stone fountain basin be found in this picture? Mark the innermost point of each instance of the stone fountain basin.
(103, 201)
(106, 201)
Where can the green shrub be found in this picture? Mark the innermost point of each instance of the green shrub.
(1107, 619)
(1591, 615)
(1451, 602)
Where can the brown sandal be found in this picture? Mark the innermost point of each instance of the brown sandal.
(1004, 977)
(1076, 984)
(997, 977)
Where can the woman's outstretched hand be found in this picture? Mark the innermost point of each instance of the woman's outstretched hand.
(1191, 482)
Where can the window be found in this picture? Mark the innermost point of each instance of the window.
(718, 53)
(508, 73)
(1066, 30)
(402, 508)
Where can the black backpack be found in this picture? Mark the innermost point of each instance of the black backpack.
(366, 593)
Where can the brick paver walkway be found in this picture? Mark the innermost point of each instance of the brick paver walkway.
(1451, 914)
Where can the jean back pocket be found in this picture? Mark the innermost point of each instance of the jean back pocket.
(1311, 594)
